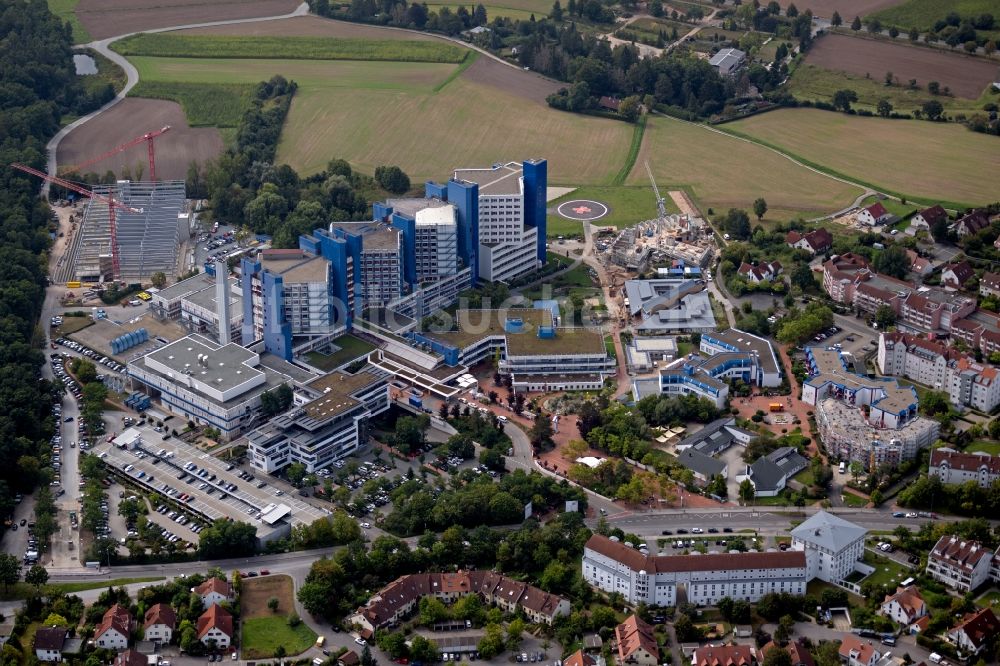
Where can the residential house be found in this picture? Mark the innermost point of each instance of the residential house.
(971, 223)
(215, 627)
(349, 658)
(814, 242)
(975, 631)
(956, 467)
(925, 219)
(159, 623)
(579, 658)
(636, 643)
(130, 658)
(764, 271)
(989, 284)
(961, 564)
(610, 103)
(770, 474)
(796, 650)
(857, 651)
(905, 606)
(725, 655)
(49, 643)
(214, 591)
(728, 61)
(919, 266)
(956, 275)
(115, 629)
(873, 215)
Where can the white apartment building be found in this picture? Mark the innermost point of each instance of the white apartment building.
(955, 467)
(832, 546)
(381, 261)
(961, 564)
(436, 243)
(613, 566)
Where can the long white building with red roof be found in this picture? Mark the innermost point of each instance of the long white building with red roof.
(954, 467)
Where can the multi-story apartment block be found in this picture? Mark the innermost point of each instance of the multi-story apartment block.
(955, 467)
(326, 428)
(616, 567)
(961, 564)
(832, 546)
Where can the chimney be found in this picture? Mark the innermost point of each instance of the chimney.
(222, 300)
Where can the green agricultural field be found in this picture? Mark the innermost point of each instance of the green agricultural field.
(809, 82)
(922, 14)
(204, 104)
(629, 204)
(66, 11)
(171, 45)
(509, 10)
(922, 160)
(723, 172)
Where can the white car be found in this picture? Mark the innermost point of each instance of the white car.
(696, 530)
(360, 641)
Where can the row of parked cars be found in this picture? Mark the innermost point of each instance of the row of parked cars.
(91, 354)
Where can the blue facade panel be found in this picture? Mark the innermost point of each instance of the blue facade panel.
(450, 354)
(381, 212)
(248, 268)
(535, 188)
(465, 197)
(408, 231)
(277, 331)
(434, 190)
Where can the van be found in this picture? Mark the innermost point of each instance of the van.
(843, 466)
(889, 640)
(320, 641)
(934, 658)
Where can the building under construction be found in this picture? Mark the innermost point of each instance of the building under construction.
(147, 241)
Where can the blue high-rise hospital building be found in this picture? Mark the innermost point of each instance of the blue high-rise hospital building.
(414, 257)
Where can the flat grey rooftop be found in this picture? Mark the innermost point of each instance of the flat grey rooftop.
(300, 267)
(185, 287)
(226, 366)
(411, 205)
(205, 298)
(499, 180)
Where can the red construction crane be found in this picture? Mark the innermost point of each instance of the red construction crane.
(147, 137)
(111, 203)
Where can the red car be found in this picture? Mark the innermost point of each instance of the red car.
(265, 572)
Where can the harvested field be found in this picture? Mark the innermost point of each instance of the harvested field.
(933, 161)
(965, 75)
(107, 18)
(722, 172)
(256, 592)
(526, 85)
(133, 117)
(848, 9)
(308, 26)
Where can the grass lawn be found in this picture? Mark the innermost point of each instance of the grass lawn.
(992, 448)
(989, 598)
(816, 586)
(895, 207)
(684, 348)
(819, 84)
(850, 499)
(628, 205)
(556, 226)
(887, 572)
(264, 630)
(922, 14)
(722, 172)
(507, 10)
(172, 45)
(575, 277)
(805, 477)
(66, 11)
(609, 344)
(943, 161)
(24, 590)
(350, 349)
(71, 325)
(719, 310)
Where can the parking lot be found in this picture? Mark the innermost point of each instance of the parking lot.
(207, 486)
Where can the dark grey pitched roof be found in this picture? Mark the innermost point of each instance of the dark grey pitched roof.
(699, 463)
(765, 474)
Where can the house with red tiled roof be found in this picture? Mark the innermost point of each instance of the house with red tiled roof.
(989, 284)
(873, 215)
(962, 564)
(115, 629)
(956, 275)
(764, 271)
(215, 627)
(971, 223)
(920, 625)
(636, 643)
(214, 591)
(159, 623)
(957, 467)
(857, 651)
(725, 655)
(814, 242)
(975, 631)
(579, 658)
(130, 658)
(905, 606)
(842, 273)
(927, 218)
(795, 649)
(919, 266)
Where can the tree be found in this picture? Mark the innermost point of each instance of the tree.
(842, 99)
(759, 207)
(37, 575)
(225, 538)
(276, 401)
(737, 224)
(656, 8)
(856, 24)
(515, 629)
(408, 435)
(747, 491)
(540, 434)
(777, 656)
(792, 10)
(272, 603)
(392, 179)
(893, 31)
(836, 21)
(280, 652)
(885, 317)
(630, 108)
(884, 108)
(10, 570)
(557, 12)
(893, 261)
(492, 642)
(932, 109)
(159, 279)
(934, 88)
(857, 469)
(296, 472)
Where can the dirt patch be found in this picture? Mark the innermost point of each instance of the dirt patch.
(307, 26)
(848, 9)
(107, 18)
(256, 592)
(527, 85)
(133, 117)
(965, 75)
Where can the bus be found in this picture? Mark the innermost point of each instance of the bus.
(775, 407)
